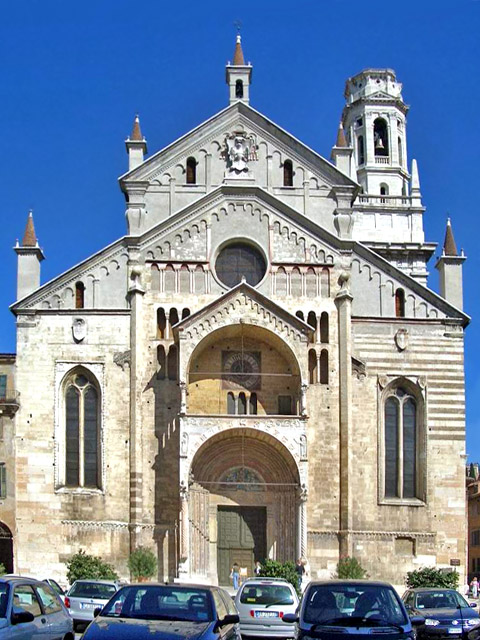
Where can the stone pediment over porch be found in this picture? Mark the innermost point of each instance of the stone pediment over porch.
(246, 307)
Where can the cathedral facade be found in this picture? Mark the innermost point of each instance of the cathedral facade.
(257, 368)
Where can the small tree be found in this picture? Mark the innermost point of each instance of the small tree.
(350, 568)
(432, 577)
(274, 569)
(81, 565)
(2, 569)
(142, 563)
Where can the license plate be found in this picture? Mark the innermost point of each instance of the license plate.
(88, 605)
(266, 614)
(455, 630)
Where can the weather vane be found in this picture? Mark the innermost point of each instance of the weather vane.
(238, 25)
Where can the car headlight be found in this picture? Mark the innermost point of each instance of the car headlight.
(471, 622)
(430, 622)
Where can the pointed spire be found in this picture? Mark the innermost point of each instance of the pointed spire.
(136, 132)
(341, 140)
(29, 237)
(238, 59)
(449, 246)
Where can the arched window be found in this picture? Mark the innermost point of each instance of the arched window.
(252, 404)
(173, 317)
(185, 313)
(199, 278)
(400, 151)
(242, 404)
(300, 315)
(161, 360)
(312, 366)
(161, 323)
(324, 331)
(281, 282)
(79, 295)
(361, 150)
(239, 89)
(288, 173)
(240, 260)
(296, 282)
(191, 170)
(401, 444)
(384, 189)
(380, 137)
(82, 432)
(169, 279)
(311, 283)
(230, 404)
(324, 367)
(312, 320)
(173, 362)
(400, 303)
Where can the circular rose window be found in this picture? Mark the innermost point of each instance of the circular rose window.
(240, 260)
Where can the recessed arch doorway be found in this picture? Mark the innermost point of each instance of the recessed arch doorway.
(244, 503)
(6, 548)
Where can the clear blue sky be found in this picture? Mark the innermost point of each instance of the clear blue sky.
(72, 76)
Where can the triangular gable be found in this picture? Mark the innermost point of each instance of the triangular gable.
(238, 113)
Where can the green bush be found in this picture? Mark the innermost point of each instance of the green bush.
(142, 563)
(432, 577)
(274, 569)
(81, 565)
(350, 568)
(2, 569)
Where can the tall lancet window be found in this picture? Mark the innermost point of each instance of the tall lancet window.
(401, 437)
(79, 295)
(380, 137)
(191, 170)
(82, 431)
(239, 89)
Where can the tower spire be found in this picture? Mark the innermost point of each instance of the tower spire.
(136, 145)
(449, 246)
(29, 237)
(29, 257)
(450, 267)
(239, 75)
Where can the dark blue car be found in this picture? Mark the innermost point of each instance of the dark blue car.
(166, 611)
(31, 609)
(340, 609)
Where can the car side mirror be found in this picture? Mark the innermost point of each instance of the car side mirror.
(473, 605)
(290, 618)
(22, 617)
(96, 611)
(417, 620)
(231, 618)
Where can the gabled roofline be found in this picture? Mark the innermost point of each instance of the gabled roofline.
(246, 110)
(253, 293)
(18, 303)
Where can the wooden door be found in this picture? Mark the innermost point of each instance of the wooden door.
(241, 539)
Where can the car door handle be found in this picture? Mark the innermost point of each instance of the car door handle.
(44, 620)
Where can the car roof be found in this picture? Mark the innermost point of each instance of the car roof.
(96, 581)
(14, 578)
(350, 583)
(175, 585)
(263, 579)
(422, 589)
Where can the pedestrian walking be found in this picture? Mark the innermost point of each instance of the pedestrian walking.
(474, 588)
(235, 575)
(258, 568)
(300, 571)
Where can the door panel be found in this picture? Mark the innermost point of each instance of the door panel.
(241, 539)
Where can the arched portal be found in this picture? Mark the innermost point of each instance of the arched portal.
(244, 503)
(6, 548)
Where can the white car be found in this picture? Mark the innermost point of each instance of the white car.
(261, 605)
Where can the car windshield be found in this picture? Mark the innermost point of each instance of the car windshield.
(3, 599)
(440, 600)
(351, 605)
(266, 594)
(92, 590)
(161, 603)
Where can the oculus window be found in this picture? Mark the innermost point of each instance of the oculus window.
(240, 260)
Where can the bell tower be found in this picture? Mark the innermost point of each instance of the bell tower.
(375, 119)
(239, 75)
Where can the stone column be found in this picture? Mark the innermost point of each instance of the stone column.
(183, 568)
(302, 523)
(172, 197)
(208, 171)
(303, 399)
(136, 294)
(306, 196)
(269, 172)
(343, 301)
(183, 397)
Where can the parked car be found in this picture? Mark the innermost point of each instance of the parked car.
(446, 612)
(84, 596)
(31, 609)
(261, 605)
(157, 611)
(341, 608)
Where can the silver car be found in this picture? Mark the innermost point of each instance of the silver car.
(261, 605)
(84, 596)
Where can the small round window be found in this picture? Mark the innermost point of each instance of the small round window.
(240, 260)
